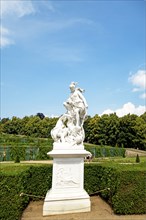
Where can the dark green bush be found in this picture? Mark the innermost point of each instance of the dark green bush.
(33, 180)
(17, 147)
(21, 153)
(37, 180)
(42, 152)
(12, 205)
(105, 151)
(98, 178)
(17, 159)
(126, 183)
(130, 195)
(137, 159)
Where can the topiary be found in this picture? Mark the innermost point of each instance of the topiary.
(137, 159)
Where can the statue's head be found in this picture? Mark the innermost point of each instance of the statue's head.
(72, 86)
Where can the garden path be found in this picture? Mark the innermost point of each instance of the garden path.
(100, 210)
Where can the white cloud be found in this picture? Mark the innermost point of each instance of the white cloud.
(5, 37)
(136, 90)
(107, 112)
(18, 8)
(143, 96)
(53, 116)
(139, 79)
(128, 108)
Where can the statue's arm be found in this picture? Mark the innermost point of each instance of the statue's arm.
(84, 100)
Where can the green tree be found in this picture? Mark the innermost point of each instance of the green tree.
(139, 140)
(127, 132)
(86, 127)
(108, 129)
(40, 115)
(32, 126)
(12, 126)
(91, 129)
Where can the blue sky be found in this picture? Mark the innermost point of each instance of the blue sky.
(45, 45)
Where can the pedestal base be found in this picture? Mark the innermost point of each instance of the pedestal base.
(62, 204)
(67, 194)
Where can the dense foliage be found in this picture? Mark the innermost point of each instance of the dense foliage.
(35, 126)
(19, 148)
(130, 198)
(123, 185)
(128, 131)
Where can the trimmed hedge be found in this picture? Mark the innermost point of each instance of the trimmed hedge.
(37, 180)
(10, 139)
(105, 151)
(14, 147)
(130, 197)
(23, 152)
(39, 152)
(126, 195)
(11, 204)
(18, 148)
(33, 180)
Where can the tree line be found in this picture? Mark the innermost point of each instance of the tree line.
(128, 131)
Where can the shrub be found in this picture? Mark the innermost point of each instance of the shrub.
(130, 195)
(105, 151)
(137, 159)
(98, 177)
(12, 205)
(33, 180)
(17, 159)
(126, 183)
(37, 180)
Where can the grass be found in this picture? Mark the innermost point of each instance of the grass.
(16, 168)
(13, 169)
(123, 163)
(119, 159)
(95, 145)
(118, 163)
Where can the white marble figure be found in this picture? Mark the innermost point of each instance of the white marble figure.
(69, 127)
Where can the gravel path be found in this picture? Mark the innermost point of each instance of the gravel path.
(100, 210)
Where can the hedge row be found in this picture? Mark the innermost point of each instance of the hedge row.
(126, 195)
(33, 180)
(130, 196)
(105, 151)
(18, 148)
(19, 153)
(11, 204)
(10, 139)
(39, 152)
(127, 186)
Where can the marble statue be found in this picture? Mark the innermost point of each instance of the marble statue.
(67, 194)
(69, 127)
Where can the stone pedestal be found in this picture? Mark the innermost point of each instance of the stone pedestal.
(67, 194)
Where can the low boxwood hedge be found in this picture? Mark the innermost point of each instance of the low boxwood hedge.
(130, 196)
(11, 204)
(126, 183)
(18, 179)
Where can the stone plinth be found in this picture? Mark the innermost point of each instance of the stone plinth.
(67, 194)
